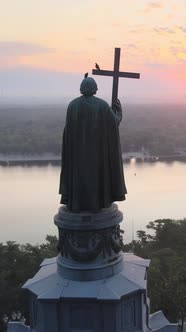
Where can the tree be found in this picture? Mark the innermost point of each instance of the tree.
(17, 264)
(166, 276)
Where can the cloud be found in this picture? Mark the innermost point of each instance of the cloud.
(129, 46)
(91, 39)
(163, 30)
(116, 25)
(139, 29)
(183, 29)
(151, 6)
(182, 56)
(176, 49)
(179, 52)
(155, 5)
(16, 48)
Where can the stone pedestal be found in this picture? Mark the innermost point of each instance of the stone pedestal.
(89, 244)
(91, 286)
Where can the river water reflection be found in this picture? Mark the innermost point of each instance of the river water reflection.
(29, 198)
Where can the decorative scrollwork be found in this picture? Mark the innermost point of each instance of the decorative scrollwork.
(86, 246)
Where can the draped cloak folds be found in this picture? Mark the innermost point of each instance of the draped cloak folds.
(92, 169)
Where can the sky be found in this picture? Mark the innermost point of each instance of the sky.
(46, 47)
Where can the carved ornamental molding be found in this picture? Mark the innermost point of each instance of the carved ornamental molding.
(84, 246)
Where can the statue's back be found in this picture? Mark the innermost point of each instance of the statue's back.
(92, 170)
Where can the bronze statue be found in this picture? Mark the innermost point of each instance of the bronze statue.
(92, 168)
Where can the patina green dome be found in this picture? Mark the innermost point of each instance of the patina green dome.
(88, 86)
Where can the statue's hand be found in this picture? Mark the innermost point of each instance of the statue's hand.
(117, 105)
(118, 111)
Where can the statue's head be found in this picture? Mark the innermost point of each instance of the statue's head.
(88, 86)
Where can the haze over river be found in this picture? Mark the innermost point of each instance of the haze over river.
(29, 198)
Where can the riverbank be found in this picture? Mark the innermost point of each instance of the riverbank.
(45, 158)
(146, 157)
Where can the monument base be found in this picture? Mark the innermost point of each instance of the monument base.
(111, 304)
(92, 286)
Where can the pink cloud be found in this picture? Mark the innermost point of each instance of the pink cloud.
(16, 48)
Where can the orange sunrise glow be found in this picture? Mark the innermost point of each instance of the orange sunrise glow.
(69, 36)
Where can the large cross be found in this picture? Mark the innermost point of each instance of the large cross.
(116, 74)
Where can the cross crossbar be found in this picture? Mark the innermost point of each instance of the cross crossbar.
(117, 74)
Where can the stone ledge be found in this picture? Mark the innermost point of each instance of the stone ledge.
(86, 220)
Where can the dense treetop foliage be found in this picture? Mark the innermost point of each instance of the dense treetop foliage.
(38, 129)
(17, 264)
(167, 273)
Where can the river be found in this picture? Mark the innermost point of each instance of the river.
(29, 198)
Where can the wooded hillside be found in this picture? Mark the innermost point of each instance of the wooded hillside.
(38, 129)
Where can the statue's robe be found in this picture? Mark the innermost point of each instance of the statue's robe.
(92, 168)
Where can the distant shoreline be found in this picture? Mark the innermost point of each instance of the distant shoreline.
(30, 159)
(46, 158)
